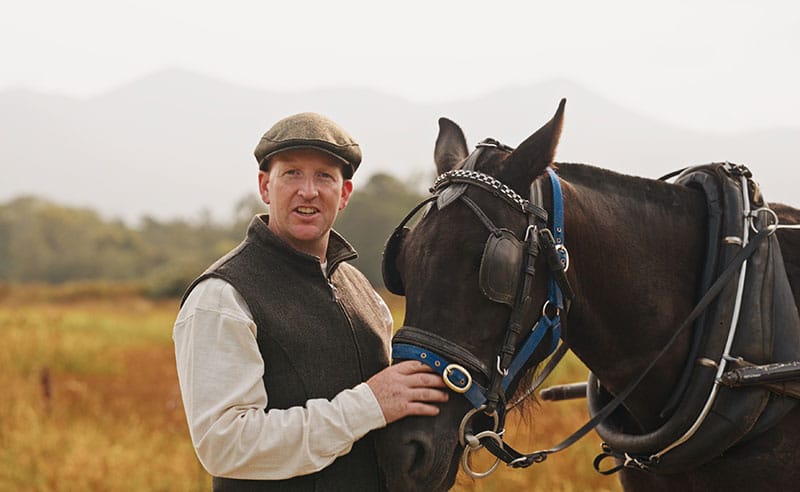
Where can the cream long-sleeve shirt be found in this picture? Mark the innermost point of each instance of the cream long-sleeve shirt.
(220, 373)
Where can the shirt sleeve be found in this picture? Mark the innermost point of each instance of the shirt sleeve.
(220, 373)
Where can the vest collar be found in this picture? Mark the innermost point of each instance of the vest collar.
(339, 249)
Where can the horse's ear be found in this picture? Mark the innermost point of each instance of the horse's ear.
(530, 159)
(451, 146)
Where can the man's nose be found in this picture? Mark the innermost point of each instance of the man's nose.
(308, 189)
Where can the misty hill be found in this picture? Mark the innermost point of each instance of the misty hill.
(175, 143)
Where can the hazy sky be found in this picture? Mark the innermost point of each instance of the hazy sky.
(718, 64)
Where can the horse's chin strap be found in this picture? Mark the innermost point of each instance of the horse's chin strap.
(453, 362)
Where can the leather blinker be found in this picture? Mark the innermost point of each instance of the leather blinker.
(500, 267)
(391, 276)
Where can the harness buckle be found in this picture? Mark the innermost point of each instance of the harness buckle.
(634, 462)
(564, 254)
(462, 385)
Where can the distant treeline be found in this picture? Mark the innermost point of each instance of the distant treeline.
(41, 241)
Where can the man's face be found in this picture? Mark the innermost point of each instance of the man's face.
(305, 190)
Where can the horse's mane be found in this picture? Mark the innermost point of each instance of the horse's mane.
(609, 183)
(612, 182)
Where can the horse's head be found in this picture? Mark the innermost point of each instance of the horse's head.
(466, 269)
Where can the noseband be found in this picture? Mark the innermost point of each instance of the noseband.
(506, 276)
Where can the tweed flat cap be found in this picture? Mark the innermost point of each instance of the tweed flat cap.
(310, 131)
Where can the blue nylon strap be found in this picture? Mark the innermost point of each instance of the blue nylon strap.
(556, 297)
(558, 207)
(476, 394)
(525, 352)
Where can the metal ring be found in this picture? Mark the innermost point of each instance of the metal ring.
(544, 310)
(468, 449)
(462, 428)
(458, 389)
(755, 213)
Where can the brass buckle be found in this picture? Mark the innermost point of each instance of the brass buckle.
(465, 383)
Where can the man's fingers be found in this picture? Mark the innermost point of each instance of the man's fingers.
(423, 395)
(422, 409)
(412, 366)
(408, 388)
(421, 375)
(424, 380)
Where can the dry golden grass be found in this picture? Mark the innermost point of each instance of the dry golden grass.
(91, 401)
(91, 397)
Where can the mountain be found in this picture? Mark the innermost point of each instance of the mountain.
(179, 144)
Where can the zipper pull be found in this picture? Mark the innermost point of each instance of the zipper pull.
(334, 296)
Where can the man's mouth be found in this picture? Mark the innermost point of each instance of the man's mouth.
(306, 210)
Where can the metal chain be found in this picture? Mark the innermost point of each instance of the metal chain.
(461, 175)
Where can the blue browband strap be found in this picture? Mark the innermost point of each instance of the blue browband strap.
(456, 377)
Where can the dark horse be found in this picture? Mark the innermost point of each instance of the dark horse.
(637, 251)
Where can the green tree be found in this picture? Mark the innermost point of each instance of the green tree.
(41, 241)
(371, 216)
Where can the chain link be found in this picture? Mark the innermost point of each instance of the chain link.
(461, 175)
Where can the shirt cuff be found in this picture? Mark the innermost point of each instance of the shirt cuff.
(370, 416)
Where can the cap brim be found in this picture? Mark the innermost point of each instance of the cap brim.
(347, 169)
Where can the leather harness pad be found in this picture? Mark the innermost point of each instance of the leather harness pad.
(500, 267)
(768, 331)
(391, 276)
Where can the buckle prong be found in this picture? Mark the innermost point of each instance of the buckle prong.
(465, 383)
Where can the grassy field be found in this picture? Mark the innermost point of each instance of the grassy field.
(91, 401)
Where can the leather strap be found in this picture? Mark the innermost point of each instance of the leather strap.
(518, 460)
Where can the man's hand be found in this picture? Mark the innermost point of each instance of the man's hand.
(407, 388)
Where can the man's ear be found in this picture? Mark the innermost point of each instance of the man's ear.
(347, 189)
(263, 188)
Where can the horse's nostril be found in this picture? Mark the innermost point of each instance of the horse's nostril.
(415, 460)
(418, 456)
(420, 460)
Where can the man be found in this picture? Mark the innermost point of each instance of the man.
(275, 340)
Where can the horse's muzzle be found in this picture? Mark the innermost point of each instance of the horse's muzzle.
(413, 459)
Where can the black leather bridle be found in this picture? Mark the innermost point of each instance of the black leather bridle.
(456, 364)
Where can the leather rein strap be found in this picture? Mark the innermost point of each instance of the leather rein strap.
(518, 460)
